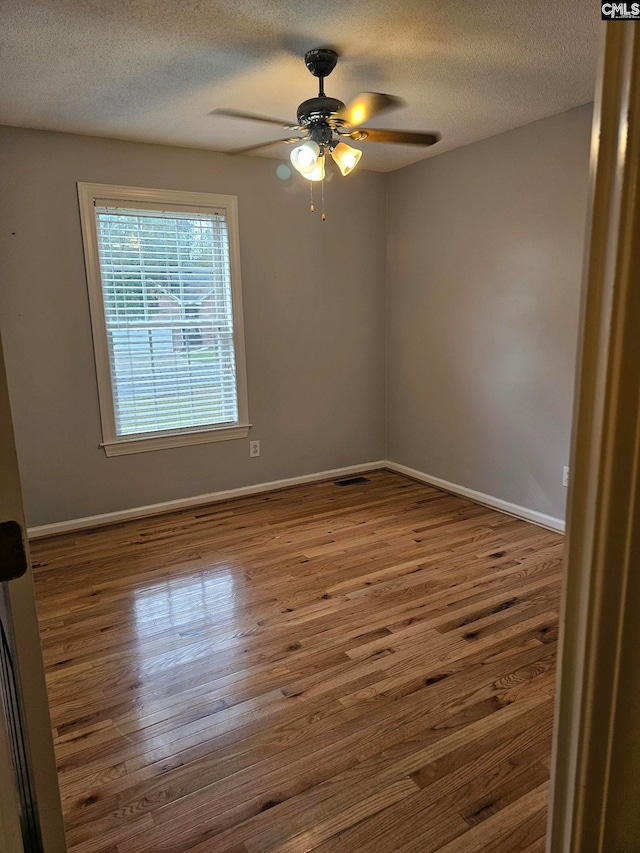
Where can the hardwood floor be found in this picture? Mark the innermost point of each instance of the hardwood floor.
(367, 669)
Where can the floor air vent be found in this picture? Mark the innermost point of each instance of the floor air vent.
(351, 481)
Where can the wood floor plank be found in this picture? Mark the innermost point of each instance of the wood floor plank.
(368, 669)
(512, 828)
(340, 817)
(394, 827)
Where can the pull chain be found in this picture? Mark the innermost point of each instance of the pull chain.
(322, 196)
(311, 207)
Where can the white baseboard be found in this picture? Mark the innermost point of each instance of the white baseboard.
(184, 503)
(539, 518)
(548, 521)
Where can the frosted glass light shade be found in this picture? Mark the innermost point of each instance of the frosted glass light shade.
(345, 157)
(304, 158)
(318, 173)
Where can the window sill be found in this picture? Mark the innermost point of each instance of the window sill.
(142, 444)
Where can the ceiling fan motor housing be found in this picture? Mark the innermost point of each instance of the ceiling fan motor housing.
(317, 109)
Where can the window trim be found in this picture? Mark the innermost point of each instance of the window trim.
(113, 445)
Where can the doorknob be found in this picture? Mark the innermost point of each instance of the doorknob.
(13, 554)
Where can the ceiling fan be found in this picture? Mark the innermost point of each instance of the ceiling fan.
(326, 122)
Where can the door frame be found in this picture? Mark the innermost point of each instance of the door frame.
(596, 760)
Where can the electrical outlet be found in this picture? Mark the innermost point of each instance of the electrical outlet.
(254, 448)
(565, 476)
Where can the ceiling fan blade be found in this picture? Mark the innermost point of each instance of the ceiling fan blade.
(249, 148)
(253, 117)
(366, 105)
(408, 137)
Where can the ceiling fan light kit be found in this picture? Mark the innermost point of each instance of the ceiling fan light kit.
(325, 122)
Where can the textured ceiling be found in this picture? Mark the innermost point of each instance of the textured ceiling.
(152, 70)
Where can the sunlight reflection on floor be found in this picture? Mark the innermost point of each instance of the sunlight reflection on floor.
(182, 603)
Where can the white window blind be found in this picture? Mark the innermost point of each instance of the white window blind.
(168, 313)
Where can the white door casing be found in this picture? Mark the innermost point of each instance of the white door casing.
(596, 764)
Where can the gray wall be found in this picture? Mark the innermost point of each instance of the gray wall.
(483, 277)
(314, 324)
(483, 262)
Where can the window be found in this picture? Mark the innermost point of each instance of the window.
(166, 311)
